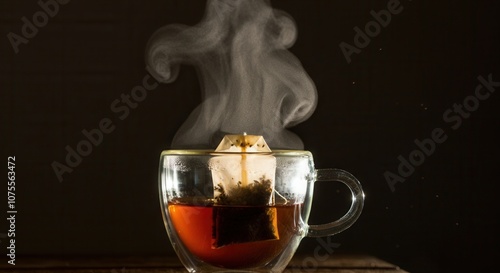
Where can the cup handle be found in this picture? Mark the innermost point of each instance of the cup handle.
(352, 215)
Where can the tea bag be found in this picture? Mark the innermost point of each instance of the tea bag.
(244, 191)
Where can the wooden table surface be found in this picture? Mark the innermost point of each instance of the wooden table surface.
(336, 263)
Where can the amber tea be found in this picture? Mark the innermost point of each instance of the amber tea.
(236, 236)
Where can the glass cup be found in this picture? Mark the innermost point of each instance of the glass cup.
(244, 235)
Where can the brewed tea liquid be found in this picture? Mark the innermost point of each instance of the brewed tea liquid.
(195, 227)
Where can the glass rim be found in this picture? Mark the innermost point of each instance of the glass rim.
(207, 152)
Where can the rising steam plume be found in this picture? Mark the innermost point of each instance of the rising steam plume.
(250, 81)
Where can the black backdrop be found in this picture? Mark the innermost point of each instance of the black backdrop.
(395, 90)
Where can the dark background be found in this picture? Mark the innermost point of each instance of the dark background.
(442, 218)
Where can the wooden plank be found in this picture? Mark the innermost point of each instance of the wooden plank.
(182, 270)
(108, 270)
(336, 263)
(94, 262)
(344, 261)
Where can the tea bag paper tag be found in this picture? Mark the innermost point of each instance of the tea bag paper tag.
(243, 144)
(245, 168)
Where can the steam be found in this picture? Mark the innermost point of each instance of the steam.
(250, 81)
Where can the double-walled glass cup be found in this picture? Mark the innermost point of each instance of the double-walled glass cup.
(210, 237)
